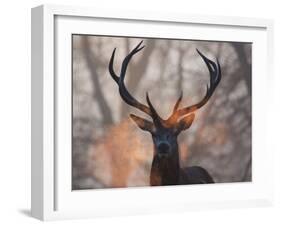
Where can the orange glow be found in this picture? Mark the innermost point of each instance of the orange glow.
(119, 155)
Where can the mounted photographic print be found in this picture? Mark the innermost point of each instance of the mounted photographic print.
(140, 112)
(156, 112)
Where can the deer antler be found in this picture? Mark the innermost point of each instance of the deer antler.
(126, 96)
(215, 77)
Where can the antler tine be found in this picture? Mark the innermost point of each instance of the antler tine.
(178, 102)
(124, 93)
(124, 64)
(215, 77)
(128, 58)
(173, 118)
(156, 118)
(110, 67)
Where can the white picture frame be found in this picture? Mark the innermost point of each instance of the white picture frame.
(52, 197)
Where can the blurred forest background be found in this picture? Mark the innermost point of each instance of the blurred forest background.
(109, 150)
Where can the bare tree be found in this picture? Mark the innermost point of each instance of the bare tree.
(90, 58)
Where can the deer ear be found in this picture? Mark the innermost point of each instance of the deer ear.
(142, 123)
(185, 122)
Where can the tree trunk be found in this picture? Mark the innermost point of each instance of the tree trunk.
(98, 93)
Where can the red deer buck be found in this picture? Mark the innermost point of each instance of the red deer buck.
(165, 169)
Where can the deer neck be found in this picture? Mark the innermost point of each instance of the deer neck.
(165, 171)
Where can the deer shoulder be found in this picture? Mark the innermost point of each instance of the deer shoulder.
(195, 175)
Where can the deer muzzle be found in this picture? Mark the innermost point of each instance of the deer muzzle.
(163, 149)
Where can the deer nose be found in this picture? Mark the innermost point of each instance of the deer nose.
(163, 148)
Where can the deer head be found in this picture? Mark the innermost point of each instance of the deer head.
(164, 131)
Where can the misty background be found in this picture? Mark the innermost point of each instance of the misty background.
(109, 150)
